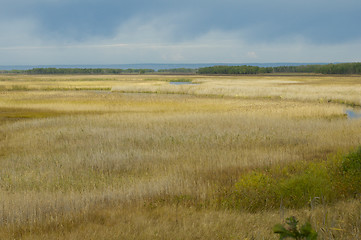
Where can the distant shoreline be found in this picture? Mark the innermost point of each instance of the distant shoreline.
(154, 66)
(213, 69)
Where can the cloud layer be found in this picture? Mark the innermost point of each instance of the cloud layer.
(138, 31)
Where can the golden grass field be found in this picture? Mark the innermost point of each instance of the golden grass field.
(134, 157)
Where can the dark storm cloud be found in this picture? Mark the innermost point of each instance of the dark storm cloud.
(320, 21)
(138, 31)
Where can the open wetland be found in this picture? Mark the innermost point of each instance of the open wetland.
(161, 157)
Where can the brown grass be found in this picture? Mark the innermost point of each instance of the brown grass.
(133, 165)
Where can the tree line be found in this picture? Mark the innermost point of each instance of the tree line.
(178, 70)
(100, 71)
(340, 68)
(86, 71)
(234, 70)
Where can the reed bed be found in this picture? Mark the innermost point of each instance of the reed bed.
(147, 160)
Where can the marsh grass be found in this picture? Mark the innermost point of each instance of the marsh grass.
(167, 222)
(110, 165)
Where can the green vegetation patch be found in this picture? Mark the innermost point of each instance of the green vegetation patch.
(18, 88)
(15, 114)
(181, 80)
(296, 185)
(348, 176)
(292, 231)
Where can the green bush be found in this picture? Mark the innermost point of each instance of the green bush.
(296, 184)
(292, 231)
(254, 191)
(259, 190)
(351, 172)
(351, 163)
(298, 189)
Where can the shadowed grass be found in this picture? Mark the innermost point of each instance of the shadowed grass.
(14, 114)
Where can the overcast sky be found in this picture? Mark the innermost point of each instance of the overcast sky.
(173, 31)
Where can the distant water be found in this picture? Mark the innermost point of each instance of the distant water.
(154, 66)
(182, 83)
(353, 114)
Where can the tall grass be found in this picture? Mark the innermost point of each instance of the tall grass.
(100, 165)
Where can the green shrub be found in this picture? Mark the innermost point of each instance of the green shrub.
(350, 174)
(305, 232)
(298, 189)
(296, 184)
(254, 191)
(351, 163)
(264, 190)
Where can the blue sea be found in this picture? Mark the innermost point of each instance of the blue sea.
(154, 66)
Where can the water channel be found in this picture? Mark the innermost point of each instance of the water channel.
(182, 83)
(353, 114)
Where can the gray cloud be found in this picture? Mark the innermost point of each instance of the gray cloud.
(240, 30)
(319, 21)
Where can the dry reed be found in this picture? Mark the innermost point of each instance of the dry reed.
(94, 164)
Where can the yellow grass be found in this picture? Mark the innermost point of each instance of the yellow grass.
(90, 157)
